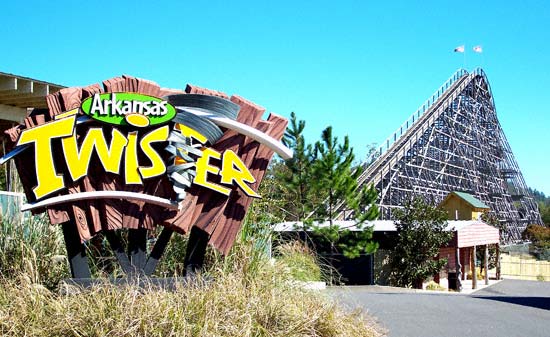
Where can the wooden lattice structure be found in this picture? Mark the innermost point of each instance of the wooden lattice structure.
(454, 142)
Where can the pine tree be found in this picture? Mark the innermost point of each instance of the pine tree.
(332, 169)
(295, 176)
(335, 180)
(315, 184)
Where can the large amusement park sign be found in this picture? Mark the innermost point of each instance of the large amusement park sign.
(130, 154)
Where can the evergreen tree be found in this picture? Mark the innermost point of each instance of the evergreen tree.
(332, 169)
(295, 174)
(315, 184)
(420, 234)
(335, 180)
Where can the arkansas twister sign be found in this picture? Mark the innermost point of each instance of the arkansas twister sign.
(132, 154)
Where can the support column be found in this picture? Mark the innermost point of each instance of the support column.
(137, 250)
(498, 261)
(458, 267)
(196, 251)
(76, 252)
(473, 268)
(465, 258)
(486, 264)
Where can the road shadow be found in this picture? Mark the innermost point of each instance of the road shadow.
(534, 302)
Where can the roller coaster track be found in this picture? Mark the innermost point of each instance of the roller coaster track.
(453, 142)
(395, 146)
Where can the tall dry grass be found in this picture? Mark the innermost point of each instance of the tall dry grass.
(246, 295)
(33, 248)
(233, 304)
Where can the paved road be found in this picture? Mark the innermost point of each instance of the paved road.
(509, 308)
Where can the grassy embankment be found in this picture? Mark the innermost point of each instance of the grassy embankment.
(249, 296)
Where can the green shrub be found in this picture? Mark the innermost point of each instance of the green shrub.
(539, 235)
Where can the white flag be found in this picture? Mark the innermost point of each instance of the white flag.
(478, 49)
(459, 49)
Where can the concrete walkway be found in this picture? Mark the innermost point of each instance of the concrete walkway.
(467, 286)
(509, 308)
(466, 289)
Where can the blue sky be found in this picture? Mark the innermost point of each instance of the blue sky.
(361, 66)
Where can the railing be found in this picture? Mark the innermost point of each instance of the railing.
(386, 145)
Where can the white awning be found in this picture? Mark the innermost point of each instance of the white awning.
(17, 93)
(378, 225)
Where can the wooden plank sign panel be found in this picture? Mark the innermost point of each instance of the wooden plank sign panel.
(111, 156)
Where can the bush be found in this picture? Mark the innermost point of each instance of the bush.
(540, 238)
(435, 286)
(420, 234)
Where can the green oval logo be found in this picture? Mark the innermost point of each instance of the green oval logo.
(128, 108)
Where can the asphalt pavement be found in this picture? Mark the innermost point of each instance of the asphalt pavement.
(509, 308)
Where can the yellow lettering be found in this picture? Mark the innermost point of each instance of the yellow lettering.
(204, 167)
(234, 170)
(157, 164)
(190, 133)
(131, 160)
(48, 180)
(110, 156)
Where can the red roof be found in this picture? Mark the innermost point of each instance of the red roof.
(476, 234)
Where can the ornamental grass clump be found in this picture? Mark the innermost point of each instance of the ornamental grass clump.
(33, 248)
(230, 305)
(240, 295)
(300, 261)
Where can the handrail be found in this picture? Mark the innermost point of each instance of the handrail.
(387, 144)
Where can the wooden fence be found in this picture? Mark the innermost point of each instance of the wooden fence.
(524, 267)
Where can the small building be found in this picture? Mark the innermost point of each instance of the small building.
(468, 236)
(463, 206)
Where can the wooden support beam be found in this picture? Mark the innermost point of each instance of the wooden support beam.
(118, 249)
(137, 249)
(458, 268)
(25, 100)
(158, 250)
(196, 251)
(486, 264)
(498, 261)
(473, 268)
